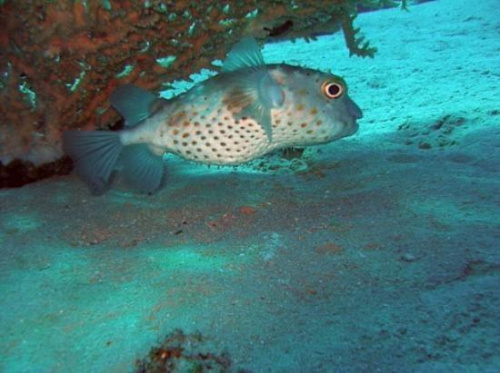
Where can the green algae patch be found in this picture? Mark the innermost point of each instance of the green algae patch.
(194, 259)
(22, 223)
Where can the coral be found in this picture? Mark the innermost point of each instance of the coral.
(59, 61)
(179, 352)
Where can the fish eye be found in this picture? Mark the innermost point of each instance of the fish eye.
(332, 89)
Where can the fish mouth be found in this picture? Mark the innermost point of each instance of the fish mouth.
(353, 109)
(350, 120)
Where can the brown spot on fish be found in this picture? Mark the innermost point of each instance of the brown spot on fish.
(300, 107)
(319, 122)
(303, 125)
(176, 132)
(176, 119)
(314, 111)
(186, 123)
(185, 134)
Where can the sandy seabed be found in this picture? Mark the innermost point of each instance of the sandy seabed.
(376, 253)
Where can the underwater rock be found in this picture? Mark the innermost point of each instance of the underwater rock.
(181, 352)
(443, 133)
(18, 172)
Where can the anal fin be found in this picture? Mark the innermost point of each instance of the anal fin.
(142, 168)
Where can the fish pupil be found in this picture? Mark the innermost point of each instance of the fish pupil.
(333, 90)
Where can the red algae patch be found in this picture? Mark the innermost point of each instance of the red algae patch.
(329, 248)
(248, 210)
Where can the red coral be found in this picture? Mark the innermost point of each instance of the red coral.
(70, 54)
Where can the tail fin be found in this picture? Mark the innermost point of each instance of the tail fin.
(95, 154)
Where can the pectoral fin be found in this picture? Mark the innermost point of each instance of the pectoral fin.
(258, 94)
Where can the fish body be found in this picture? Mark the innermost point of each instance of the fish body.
(246, 111)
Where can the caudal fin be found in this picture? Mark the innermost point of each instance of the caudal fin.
(95, 154)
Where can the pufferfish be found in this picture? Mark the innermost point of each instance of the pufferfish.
(249, 109)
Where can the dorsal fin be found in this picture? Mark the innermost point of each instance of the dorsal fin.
(246, 53)
(133, 103)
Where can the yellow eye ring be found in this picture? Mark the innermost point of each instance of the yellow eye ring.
(332, 89)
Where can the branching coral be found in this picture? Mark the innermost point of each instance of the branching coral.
(60, 60)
